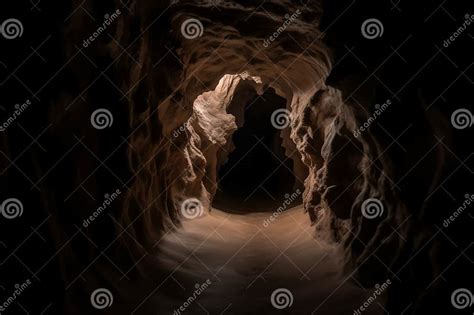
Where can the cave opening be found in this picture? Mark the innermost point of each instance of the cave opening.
(256, 175)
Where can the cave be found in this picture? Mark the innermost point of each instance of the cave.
(236, 157)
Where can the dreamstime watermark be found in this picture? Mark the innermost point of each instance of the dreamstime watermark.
(462, 118)
(379, 109)
(289, 199)
(178, 131)
(379, 289)
(11, 208)
(102, 118)
(102, 298)
(469, 19)
(372, 28)
(192, 208)
(19, 109)
(281, 298)
(107, 202)
(11, 28)
(192, 28)
(19, 289)
(372, 208)
(109, 19)
(289, 19)
(467, 202)
(462, 298)
(199, 289)
(280, 118)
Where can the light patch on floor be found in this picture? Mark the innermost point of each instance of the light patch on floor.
(246, 261)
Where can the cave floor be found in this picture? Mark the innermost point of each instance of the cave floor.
(244, 261)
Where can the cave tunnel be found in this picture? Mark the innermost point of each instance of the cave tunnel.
(141, 171)
(257, 174)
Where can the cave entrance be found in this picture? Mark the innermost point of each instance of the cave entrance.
(256, 175)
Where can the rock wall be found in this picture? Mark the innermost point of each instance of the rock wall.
(345, 166)
(179, 107)
(193, 117)
(343, 170)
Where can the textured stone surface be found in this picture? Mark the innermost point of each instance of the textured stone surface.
(176, 102)
(340, 172)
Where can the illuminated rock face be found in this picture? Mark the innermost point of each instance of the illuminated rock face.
(188, 95)
(191, 135)
(177, 97)
(215, 69)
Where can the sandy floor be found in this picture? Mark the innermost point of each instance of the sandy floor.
(244, 262)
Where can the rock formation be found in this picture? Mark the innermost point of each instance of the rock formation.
(177, 76)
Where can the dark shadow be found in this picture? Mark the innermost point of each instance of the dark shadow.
(257, 174)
